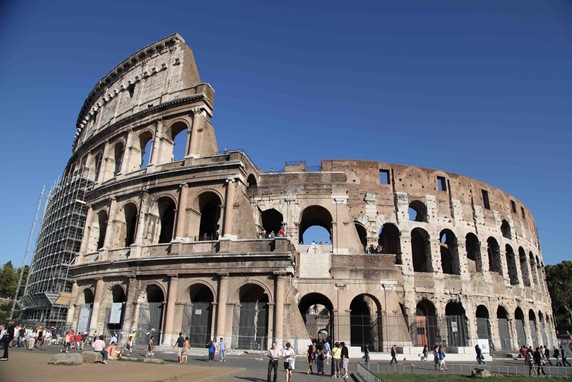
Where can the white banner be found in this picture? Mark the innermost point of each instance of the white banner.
(115, 316)
(84, 318)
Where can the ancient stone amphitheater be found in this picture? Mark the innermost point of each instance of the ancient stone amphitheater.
(206, 243)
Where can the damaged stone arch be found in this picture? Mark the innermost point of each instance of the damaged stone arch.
(511, 265)
(315, 216)
(505, 229)
(524, 266)
(417, 211)
(208, 204)
(366, 322)
(473, 248)
(272, 220)
(143, 149)
(161, 222)
(421, 250)
(493, 251)
(317, 311)
(128, 226)
(389, 239)
(449, 252)
(177, 144)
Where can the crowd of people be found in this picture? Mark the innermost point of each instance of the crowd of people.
(318, 354)
(537, 358)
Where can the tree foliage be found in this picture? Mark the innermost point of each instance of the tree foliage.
(9, 277)
(559, 280)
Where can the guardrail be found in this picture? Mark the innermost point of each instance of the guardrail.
(366, 375)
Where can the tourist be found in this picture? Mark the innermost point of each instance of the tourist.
(556, 354)
(366, 353)
(151, 347)
(425, 353)
(539, 361)
(32, 339)
(79, 341)
(186, 349)
(289, 360)
(345, 359)
(47, 340)
(337, 360)
(563, 356)
(71, 339)
(273, 355)
(393, 352)
(212, 348)
(222, 350)
(113, 339)
(436, 357)
(547, 355)
(529, 360)
(327, 351)
(480, 356)
(179, 344)
(129, 346)
(7, 338)
(21, 335)
(311, 356)
(99, 347)
(320, 361)
(442, 355)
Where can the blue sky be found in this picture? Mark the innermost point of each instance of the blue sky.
(481, 88)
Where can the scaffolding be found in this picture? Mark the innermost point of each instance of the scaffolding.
(58, 243)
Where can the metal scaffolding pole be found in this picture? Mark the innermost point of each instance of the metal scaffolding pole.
(26, 253)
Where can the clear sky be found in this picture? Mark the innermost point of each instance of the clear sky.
(480, 88)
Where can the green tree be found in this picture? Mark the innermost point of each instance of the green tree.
(8, 280)
(559, 281)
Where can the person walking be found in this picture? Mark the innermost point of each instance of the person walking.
(393, 355)
(289, 361)
(366, 354)
(425, 353)
(327, 351)
(563, 356)
(222, 350)
(547, 355)
(311, 355)
(442, 355)
(345, 359)
(539, 361)
(151, 347)
(529, 360)
(180, 343)
(436, 357)
(212, 349)
(480, 356)
(6, 339)
(186, 349)
(337, 360)
(273, 355)
(556, 354)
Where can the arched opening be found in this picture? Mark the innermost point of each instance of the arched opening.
(505, 230)
(251, 181)
(365, 322)
(210, 207)
(167, 219)
(533, 268)
(417, 211)
(272, 222)
(102, 224)
(426, 329)
(524, 266)
(250, 323)
(130, 213)
(150, 322)
(421, 250)
(519, 323)
(483, 324)
(504, 331)
(456, 324)
(179, 139)
(320, 219)
(449, 253)
(473, 247)
(197, 315)
(85, 308)
(389, 241)
(511, 265)
(114, 313)
(118, 151)
(145, 148)
(533, 327)
(493, 250)
(318, 314)
(362, 234)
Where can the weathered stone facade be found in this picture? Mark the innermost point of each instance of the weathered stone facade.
(174, 244)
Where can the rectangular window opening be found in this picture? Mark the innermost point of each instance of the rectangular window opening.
(441, 183)
(513, 205)
(522, 212)
(384, 177)
(486, 202)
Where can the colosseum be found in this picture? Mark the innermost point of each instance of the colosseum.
(208, 244)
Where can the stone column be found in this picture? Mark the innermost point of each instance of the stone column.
(221, 305)
(435, 247)
(97, 300)
(196, 128)
(130, 303)
(279, 308)
(228, 229)
(86, 237)
(484, 258)
(70, 320)
(155, 156)
(110, 229)
(182, 212)
(169, 335)
(406, 255)
(140, 228)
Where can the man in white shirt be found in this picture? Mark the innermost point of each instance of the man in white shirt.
(274, 355)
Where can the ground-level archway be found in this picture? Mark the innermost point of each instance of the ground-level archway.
(366, 323)
(150, 320)
(504, 330)
(250, 318)
(318, 313)
(426, 330)
(457, 333)
(197, 315)
(519, 323)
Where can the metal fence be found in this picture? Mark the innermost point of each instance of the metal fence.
(366, 375)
